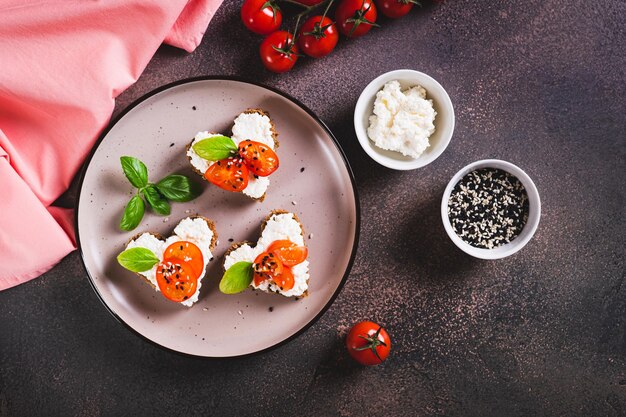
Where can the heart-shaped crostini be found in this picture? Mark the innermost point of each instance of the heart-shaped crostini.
(277, 263)
(242, 162)
(174, 266)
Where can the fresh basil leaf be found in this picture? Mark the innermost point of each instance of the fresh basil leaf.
(178, 188)
(133, 213)
(135, 171)
(236, 278)
(215, 148)
(158, 203)
(137, 259)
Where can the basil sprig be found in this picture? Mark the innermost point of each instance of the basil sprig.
(158, 203)
(173, 187)
(137, 259)
(236, 278)
(215, 148)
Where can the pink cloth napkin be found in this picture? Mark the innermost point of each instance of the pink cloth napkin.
(62, 63)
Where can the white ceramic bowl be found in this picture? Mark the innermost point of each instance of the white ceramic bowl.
(444, 121)
(534, 211)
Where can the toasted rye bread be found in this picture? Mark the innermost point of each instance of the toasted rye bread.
(247, 111)
(209, 223)
(236, 245)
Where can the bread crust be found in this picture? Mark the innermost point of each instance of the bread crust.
(209, 223)
(267, 218)
(247, 111)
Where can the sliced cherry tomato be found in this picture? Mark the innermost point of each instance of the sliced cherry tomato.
(285, 281)
(395, 8)
(355, 17)
(318, 36)
(266, 266)
(278, 51)
(229, 174)
(176, 280)
(368, 343)
(259, 158)
(261, 16)
(288, 252)
(187, 252)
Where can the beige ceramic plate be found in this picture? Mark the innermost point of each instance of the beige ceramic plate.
(156, 130)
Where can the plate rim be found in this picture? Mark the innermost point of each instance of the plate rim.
(318, 120)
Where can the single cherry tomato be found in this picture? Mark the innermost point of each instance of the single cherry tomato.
(355, 17)
(318, 36)
(266, 266)
(261, 16)
(285, 280)
(368, 343)
(395, 8)
(288, 252)
(176, 280)
(229, 174)
(259, 158)
(187, 252)
(278, 51)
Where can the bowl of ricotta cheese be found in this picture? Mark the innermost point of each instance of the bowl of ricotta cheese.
(404, 119)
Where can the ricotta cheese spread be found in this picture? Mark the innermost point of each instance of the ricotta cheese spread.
(194, 230)
(402, 120)
(253, 126)
(278, 227)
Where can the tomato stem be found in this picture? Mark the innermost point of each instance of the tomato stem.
(372, 343)
(319, 30)
(272, 5)
(330, 3)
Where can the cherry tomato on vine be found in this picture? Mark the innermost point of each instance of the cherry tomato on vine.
(355, 17)
(278, 51)
(368, 343)
(261, 16)
(318, 36)
(395, 8)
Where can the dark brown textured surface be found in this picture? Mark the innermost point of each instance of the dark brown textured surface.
(540, 84)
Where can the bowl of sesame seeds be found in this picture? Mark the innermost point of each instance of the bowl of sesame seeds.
(490, 209)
